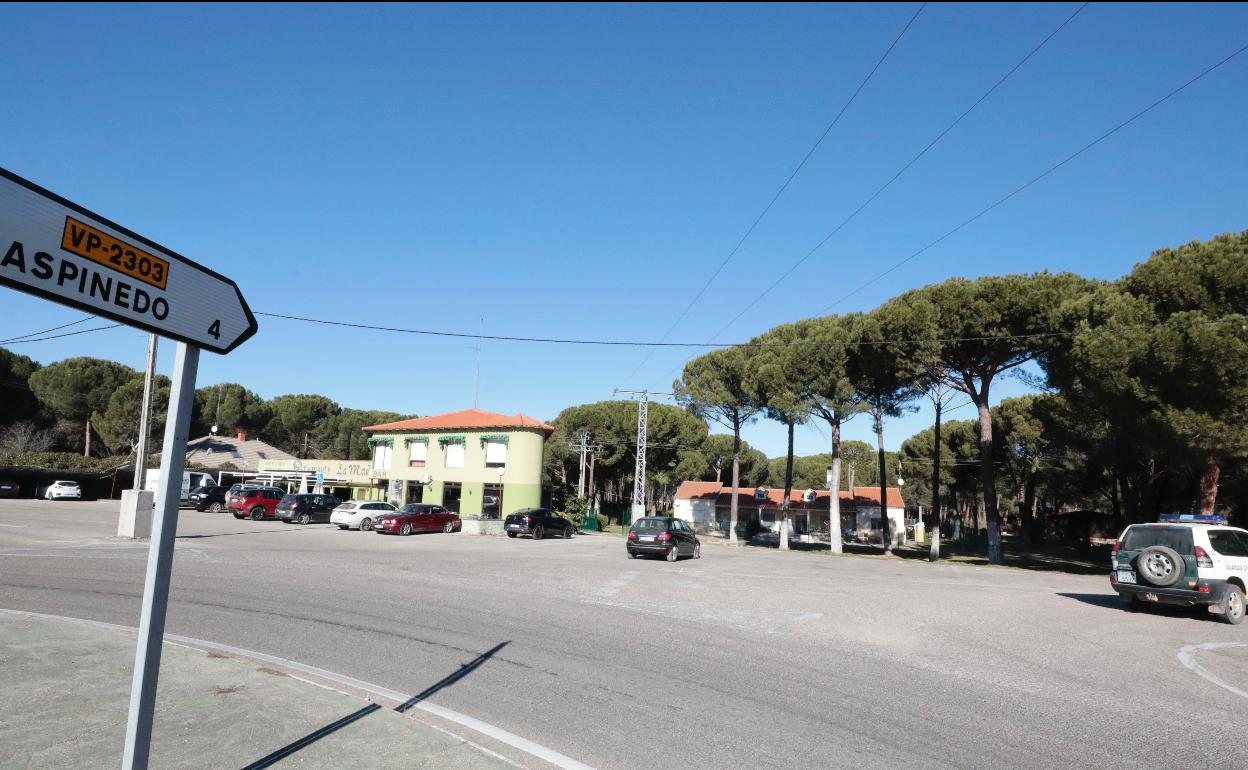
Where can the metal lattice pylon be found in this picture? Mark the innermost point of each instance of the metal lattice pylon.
(639, 477)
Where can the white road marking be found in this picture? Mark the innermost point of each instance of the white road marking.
(1187, 656)
(485, 728)
(613, 587)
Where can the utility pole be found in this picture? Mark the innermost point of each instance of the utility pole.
(145, 418)
(639, 477)
(582, 445)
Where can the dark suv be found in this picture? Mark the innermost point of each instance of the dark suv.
(255, 502)
(209, 498)
(305, 509)
(664, 536)
(537, 522)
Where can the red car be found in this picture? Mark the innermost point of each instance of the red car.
(255, 502)
(417, 517)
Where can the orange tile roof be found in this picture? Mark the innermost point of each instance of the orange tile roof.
(468, 419)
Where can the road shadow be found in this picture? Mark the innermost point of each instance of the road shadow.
(1110, 601)
(452, 678)
(311, 738)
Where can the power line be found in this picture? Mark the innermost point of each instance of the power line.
(58, 336)
(645, 343)
(766, 209)
(936, 140)
(46, 331)
(1044, 174)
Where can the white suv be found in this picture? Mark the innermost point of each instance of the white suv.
(359, 514)
(1188, 560)
(62, 490)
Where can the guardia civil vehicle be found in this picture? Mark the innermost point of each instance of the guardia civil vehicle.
(1183, 559)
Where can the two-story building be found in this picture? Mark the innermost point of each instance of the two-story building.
(472, 462)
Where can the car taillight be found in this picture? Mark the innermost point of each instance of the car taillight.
(663, 538)
(1203, 588)
(526, 519)
(1117, 545)
(632, 535)
(294, 506)
(1203, 560)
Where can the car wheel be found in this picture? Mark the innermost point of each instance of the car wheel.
(673, 553)
(366, 525)
(343, 526)
(538, 533)
(305, 518)
(511, 534)
(238, 515)
(406, 529)
(216, 507)
(1160, 566)
(449, 528)
(632, 555)
(1233, 605)
(697, 550)
(257, 513)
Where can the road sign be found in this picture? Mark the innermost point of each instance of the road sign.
(60, 251)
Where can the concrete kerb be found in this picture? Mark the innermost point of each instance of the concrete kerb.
(68, 678)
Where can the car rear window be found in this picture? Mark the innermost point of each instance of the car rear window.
(347, 506)
(651, 525)
(1177, 538)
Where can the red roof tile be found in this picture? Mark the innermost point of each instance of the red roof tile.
(468, 419)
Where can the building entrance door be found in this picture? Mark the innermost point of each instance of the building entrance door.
(451, 492)
(492, 501)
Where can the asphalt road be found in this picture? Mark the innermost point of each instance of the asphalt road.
(743, 658)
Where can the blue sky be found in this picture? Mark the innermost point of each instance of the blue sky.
(579, 171)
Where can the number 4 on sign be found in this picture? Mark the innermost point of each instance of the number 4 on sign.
(215, 329)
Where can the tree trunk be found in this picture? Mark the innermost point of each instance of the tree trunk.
(788, 491)
(1029, 504)
(934, 549)
(834, 503)
(1209, 486)
(885, 533)
(988, 479)
(87, 451)
(736, 480)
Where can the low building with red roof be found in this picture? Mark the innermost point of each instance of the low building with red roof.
(707, 505)
(472, 462)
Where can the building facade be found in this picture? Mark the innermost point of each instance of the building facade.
(473, 462)
(707, 506)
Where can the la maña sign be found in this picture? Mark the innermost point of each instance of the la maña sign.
(60, 251)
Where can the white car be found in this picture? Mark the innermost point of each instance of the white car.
(1185, 560)
(359, 514)
(62, 490)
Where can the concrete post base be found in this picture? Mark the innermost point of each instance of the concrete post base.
(135, 520)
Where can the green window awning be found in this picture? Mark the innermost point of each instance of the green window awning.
(381, 441)
(444, 440)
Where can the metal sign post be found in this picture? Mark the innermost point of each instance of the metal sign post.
(60, 251)
(160, 560)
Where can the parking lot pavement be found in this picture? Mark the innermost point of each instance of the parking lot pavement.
(66, 694)
(762, 658)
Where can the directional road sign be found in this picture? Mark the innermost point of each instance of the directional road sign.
(60, 251)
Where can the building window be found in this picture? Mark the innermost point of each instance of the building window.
(419, 453)
(495, 454)
(382, 454)
(455, 455)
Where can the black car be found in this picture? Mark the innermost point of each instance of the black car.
(664, 536)
(209, 498)
(537, 522)
(9, 488)
(306, 508)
